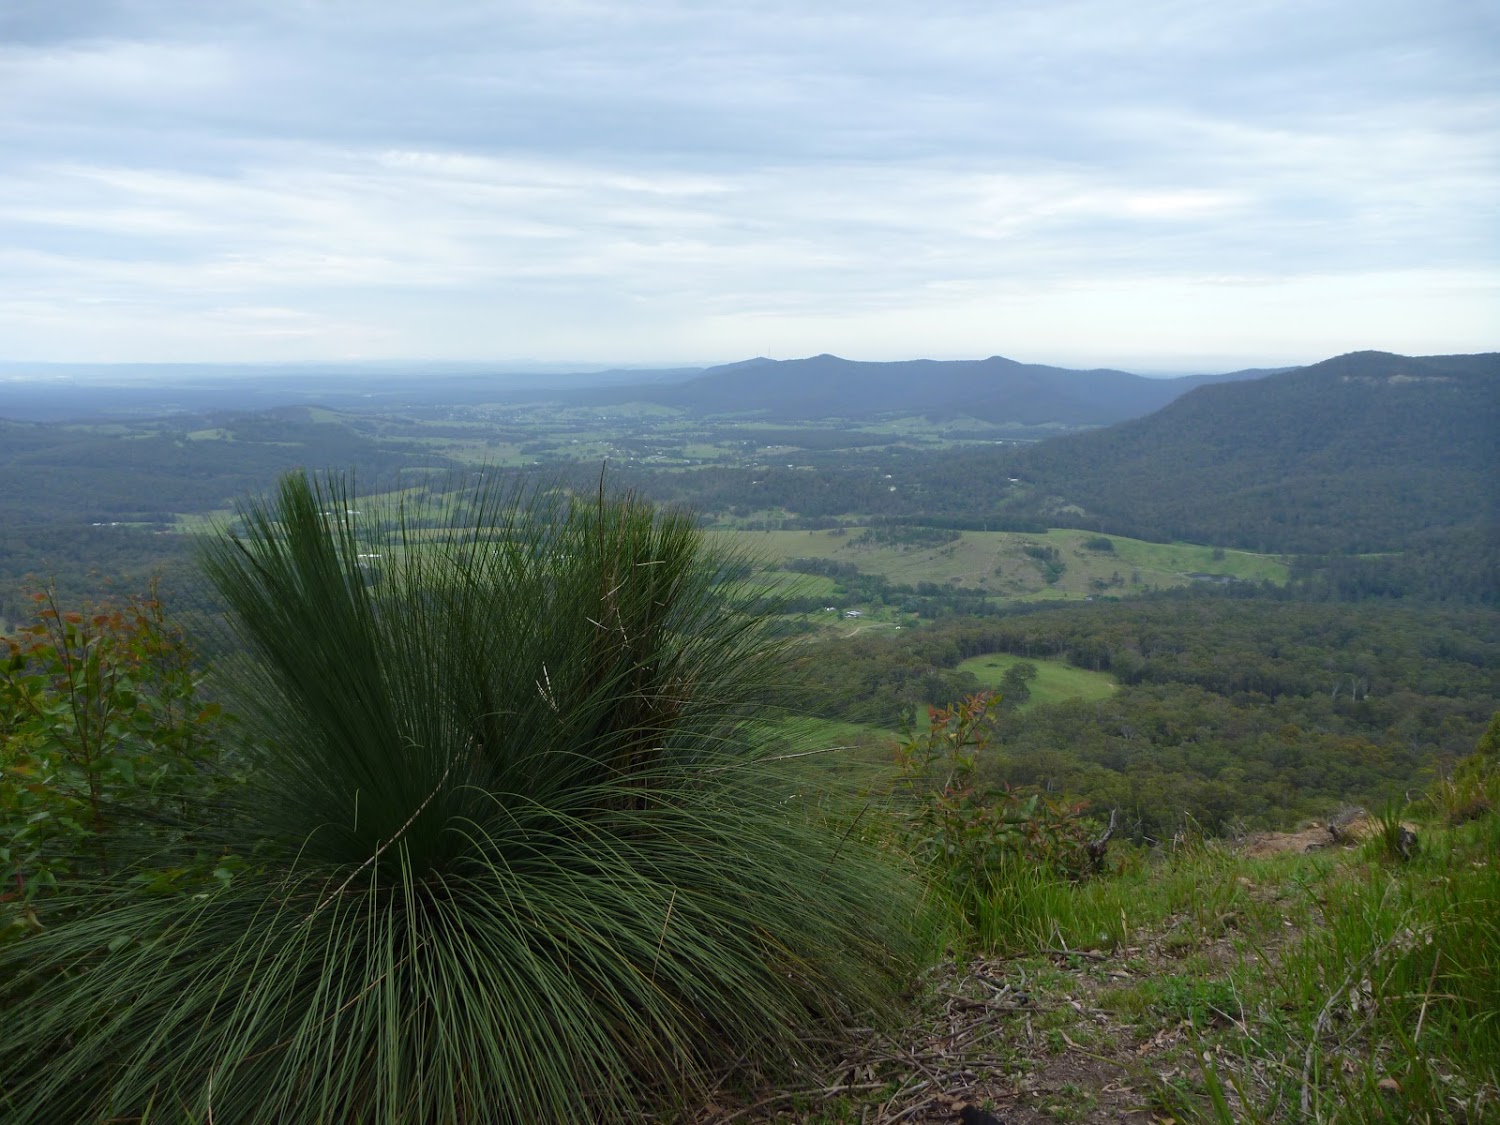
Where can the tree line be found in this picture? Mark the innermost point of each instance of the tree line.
(1231, 711)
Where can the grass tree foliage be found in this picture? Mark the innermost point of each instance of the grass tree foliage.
(514, 851)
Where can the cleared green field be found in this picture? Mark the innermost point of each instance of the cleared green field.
(1187, 558)
(195, 522)
(1018, 565)
(702, 451)
(788, 584)
(1055, 680)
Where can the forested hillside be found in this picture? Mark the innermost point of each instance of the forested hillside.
(1355, 454)
(1229, 710)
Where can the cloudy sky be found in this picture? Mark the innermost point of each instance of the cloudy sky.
(1160, 184)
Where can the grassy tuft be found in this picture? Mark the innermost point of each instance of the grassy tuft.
(518, 852)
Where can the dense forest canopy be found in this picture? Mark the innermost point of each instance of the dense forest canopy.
(1356, 454)
(1229, 710)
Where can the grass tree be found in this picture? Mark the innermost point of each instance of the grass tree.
(514, 849)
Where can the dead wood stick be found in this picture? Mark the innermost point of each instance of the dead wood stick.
(988, 1005)
(1091, 954)
(1097, 848)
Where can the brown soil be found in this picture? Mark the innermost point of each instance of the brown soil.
(1347, 833)
(1025, 1040)
(1049, 1037)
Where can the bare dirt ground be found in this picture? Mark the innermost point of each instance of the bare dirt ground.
(1346, 831)
(1023, 1041)
(1057, 1035)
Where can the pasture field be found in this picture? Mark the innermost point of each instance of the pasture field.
(784, 583)
(1056, 680)
(1057, 564)
(1188, 558)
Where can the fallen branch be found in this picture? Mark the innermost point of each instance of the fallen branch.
(988, 1005)
(1090, 954)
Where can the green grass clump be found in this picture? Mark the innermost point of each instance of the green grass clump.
(515, 851)
(1381, 1002)
(1396, 997)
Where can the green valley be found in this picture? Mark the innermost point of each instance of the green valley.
(996, 755)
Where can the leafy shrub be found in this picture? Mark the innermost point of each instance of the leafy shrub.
(1473, 789)
(105, 745)
(976, 838)
(1048, 559)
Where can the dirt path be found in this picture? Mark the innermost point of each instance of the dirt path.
(1024, 1040)
(1056, 1036)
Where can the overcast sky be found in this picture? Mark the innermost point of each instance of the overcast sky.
(1158, 185)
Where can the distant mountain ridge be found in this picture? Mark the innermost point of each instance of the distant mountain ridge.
(996, 390)
(1357, 453)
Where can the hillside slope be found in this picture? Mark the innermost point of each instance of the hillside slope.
(1356, 454)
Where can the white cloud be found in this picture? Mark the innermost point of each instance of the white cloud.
(664, 179)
